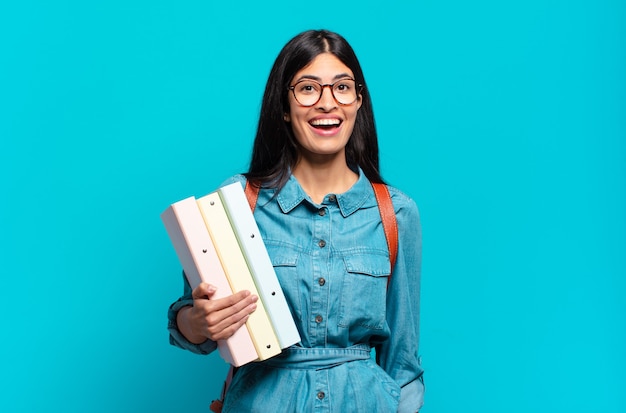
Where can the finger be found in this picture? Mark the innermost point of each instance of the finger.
(238, 301)
(215, 311)
(229, 325)
(230, 330)
(218, 320)
(221, 313)
(203, 291)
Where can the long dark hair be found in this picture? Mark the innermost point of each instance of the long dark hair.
(275, 150)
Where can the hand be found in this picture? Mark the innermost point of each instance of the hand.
(214, 319)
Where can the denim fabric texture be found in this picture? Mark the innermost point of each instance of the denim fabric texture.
(333, 264)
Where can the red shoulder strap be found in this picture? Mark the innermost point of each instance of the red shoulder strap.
(385, 206)
(388, 218)
(252, 194)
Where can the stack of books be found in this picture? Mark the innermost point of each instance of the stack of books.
(218, 242)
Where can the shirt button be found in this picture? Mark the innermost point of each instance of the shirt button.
(322, 212)
(319, 319)
(320, 395)
(321, 243)
(332, 198)
(322, 281)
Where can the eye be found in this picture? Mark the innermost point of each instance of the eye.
(307, 88)
(344, 86)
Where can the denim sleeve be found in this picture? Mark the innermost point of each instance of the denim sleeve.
(399, 354)
(235, 178)
(176, 338)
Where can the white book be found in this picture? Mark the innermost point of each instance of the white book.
(196, 253)
(259, 262)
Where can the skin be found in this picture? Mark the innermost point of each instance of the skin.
(321, 169)
(214, 319)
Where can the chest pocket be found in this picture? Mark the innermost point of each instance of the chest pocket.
(364, 290)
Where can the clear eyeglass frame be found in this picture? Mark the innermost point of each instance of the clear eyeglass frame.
(344, 99)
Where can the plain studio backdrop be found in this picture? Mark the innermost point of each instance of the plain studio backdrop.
(505, 121)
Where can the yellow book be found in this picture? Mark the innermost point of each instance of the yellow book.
(254, 250)
(238, 273)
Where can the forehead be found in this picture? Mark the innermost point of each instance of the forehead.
(325, 67)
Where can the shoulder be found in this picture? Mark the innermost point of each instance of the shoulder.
(404, 206)
(407, 214)
(235, 178)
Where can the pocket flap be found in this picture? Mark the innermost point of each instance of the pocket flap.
(282, 257)
(373, 264)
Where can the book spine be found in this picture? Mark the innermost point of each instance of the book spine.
(260, 264)
(196, 253)
(238, 273)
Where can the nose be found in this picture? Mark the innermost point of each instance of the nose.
(327, 100)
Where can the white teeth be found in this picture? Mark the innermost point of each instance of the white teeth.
(325, 122)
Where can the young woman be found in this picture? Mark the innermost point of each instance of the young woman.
(315, 156)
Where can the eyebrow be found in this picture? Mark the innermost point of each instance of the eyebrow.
(318, 79)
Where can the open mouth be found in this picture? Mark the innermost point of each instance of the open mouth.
(325, 124)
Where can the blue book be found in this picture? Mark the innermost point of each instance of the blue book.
(261, 268)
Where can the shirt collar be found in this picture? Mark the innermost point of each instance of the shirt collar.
(292, 194)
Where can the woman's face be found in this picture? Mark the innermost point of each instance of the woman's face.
(324, 128)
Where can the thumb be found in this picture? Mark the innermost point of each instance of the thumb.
(203, 291)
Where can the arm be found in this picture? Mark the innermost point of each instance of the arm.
(398, 355)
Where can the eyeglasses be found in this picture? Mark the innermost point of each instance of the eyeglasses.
(308, 92)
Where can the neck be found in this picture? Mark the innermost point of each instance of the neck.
(321, 179)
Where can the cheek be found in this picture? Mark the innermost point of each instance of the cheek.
(292, 110)
(298, 127)
(298, 118)
(352, 116)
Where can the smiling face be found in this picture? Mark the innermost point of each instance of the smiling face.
(324, 128)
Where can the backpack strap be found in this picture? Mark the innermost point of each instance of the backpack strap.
(252, 193)
(385, 206)
(216, 406)
(388, 218)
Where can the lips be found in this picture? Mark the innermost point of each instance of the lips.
(325, 123)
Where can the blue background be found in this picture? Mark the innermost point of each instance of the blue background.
(505, 121)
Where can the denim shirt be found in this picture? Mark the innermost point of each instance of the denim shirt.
(333, 264)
